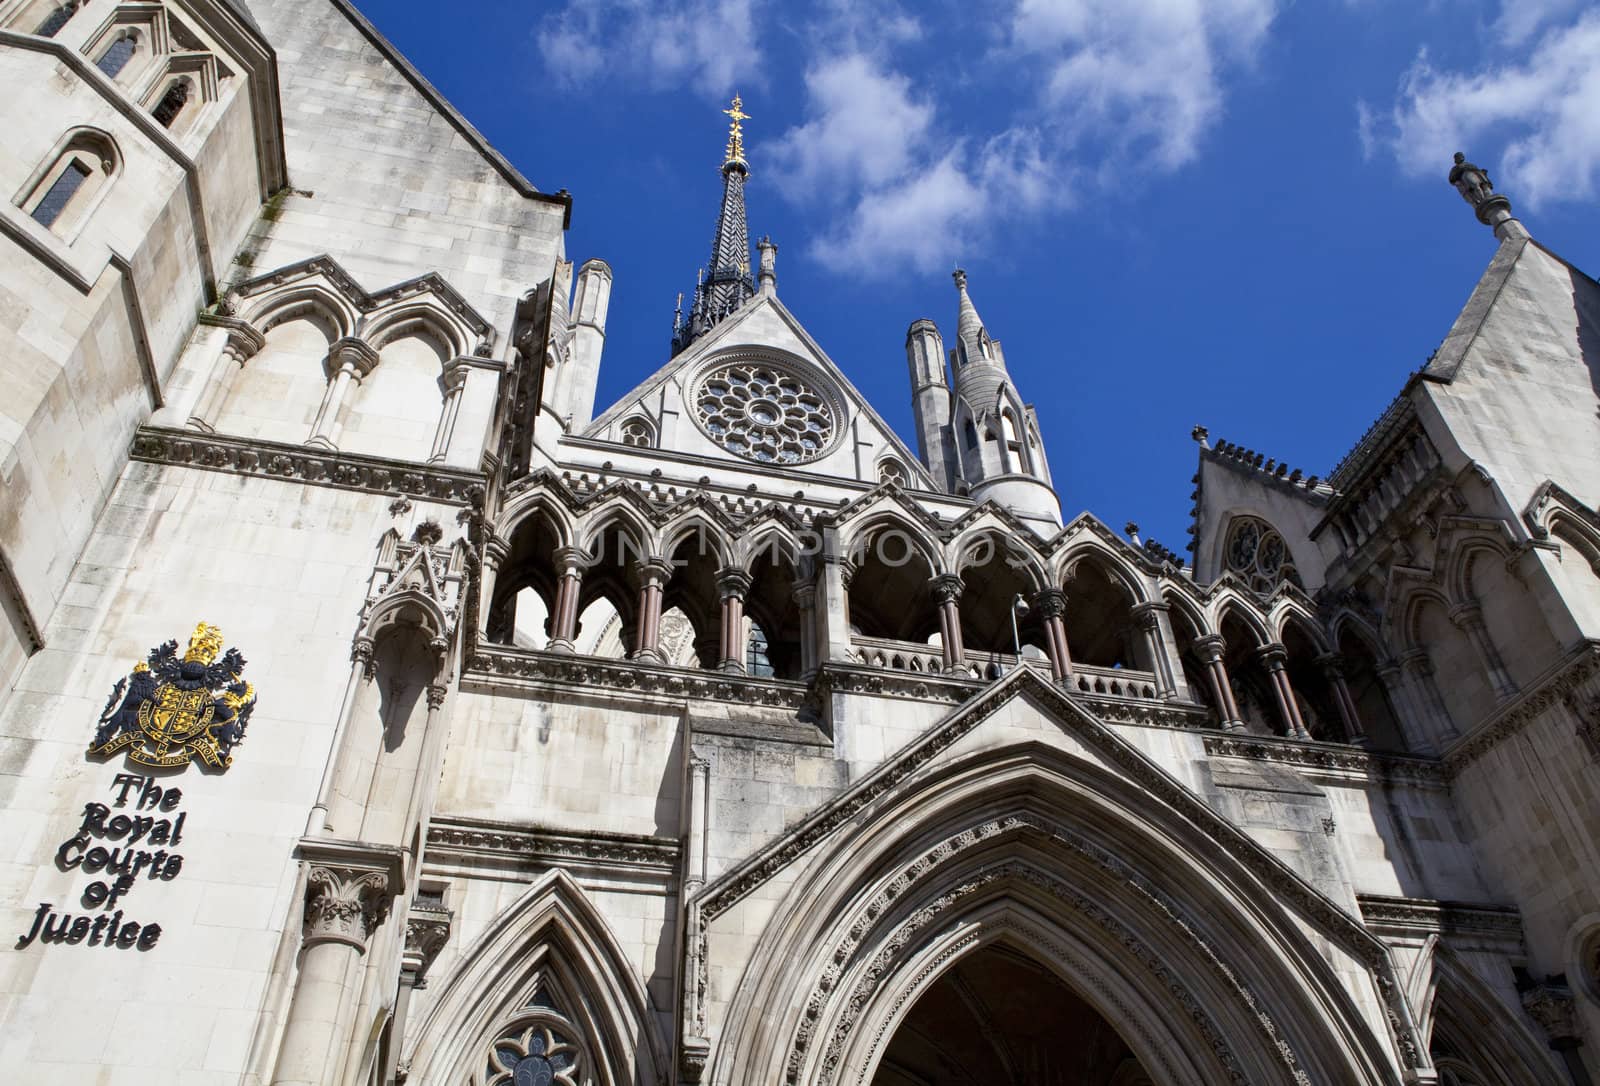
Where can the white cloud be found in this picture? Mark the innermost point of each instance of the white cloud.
(863, 127)
(1520, 19)
(1542, 108)
(1140, 74)
(711, 43)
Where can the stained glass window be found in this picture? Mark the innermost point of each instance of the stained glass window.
(113, 60)
(56, 20)
(763, 413)
(61, 192)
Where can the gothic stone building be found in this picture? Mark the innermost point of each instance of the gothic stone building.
(373, 710)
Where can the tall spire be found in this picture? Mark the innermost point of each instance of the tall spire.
(975, 344)
(730, 284)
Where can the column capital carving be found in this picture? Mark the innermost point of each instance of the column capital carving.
(847, 570)
(436, 694)
(1417, 661)
(427, 931)
(1050, 603)
(733, 581)
(1210, 648)
(1550, 1004)
(1466, 616)
(353, 352)
(361, 653)
(1147, 616)
(653, 571)
(571, 559)
(805, 595)
(1332, 665)
(345, 904)
(496, 551)
(1273, 656)
(243, 341)
(453, 380)
(947, 588)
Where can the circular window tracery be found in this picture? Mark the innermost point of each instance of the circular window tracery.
(536, 1055)
(765, 413)
(1257, 554)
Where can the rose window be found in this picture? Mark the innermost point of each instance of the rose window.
(536, 1055)
(763, 413)
(1258, 555)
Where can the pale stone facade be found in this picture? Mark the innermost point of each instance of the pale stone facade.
(719, 736)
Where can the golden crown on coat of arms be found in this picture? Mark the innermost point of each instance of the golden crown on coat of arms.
(204, 644)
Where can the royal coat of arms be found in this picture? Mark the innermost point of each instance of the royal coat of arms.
(171, 710)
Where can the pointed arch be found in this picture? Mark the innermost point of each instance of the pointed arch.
(555, 935)
(710, 539)
(1231, 604)
(874, 526)
(312, 301)
(1468, 1025)
(1190, 939)
(423, 316)
(616, 514)
(1113, 565)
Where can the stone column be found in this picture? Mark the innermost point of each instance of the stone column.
(805, 598)
(451, 382)
(1333, 668)
(571, 562)
(694, 860)
(495, 552)
(344, 906)
(1051, 605)
(1147, 620)
(1468, 618)
(350, 360)
(946, 589)
(653, 576)
(1210, 649)
(732, 584)
(241, 345)
(833, 603)
(1273, 657)
(1418, 668)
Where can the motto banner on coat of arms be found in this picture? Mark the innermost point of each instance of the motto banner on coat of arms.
(170, 710)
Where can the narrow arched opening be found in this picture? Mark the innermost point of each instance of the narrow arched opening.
(1252, 685)
(1308, 679)
(525, 586)
(772, 648)
(998, 1016)
(1099, 616)
(1367, 691)
(889, 593)
(1186, 630)
(997, 576)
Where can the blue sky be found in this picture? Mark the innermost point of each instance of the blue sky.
(1228, 212)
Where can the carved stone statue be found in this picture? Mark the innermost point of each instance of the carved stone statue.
(1471, 181)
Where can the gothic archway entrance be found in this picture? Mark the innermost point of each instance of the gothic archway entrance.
(999, 1018)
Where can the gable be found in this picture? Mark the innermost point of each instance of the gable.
(761, 355)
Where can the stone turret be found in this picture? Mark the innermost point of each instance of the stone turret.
(590, 302)
(930, 402)
(996, 438)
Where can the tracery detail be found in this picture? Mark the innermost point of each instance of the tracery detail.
(764, 413)
(534, 1054)
(1257, 554)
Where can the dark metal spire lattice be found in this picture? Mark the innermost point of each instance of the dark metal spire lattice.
(729, 285)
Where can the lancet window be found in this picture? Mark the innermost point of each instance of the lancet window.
(172, 103)
(57, 19)
(637, 432)
(116, 58)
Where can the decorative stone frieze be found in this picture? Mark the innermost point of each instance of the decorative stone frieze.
(1327, 758)
(297, 463)
(462, 839)
(1425, 916)
(497, 665)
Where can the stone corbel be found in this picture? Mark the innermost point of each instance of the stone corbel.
(427, 931)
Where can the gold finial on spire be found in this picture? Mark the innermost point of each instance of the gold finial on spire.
(736, 133)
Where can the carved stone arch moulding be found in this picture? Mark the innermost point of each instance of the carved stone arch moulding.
(876, 944)
(1279, 994)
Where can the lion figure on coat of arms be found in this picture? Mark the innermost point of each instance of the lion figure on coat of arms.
(170, 710)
